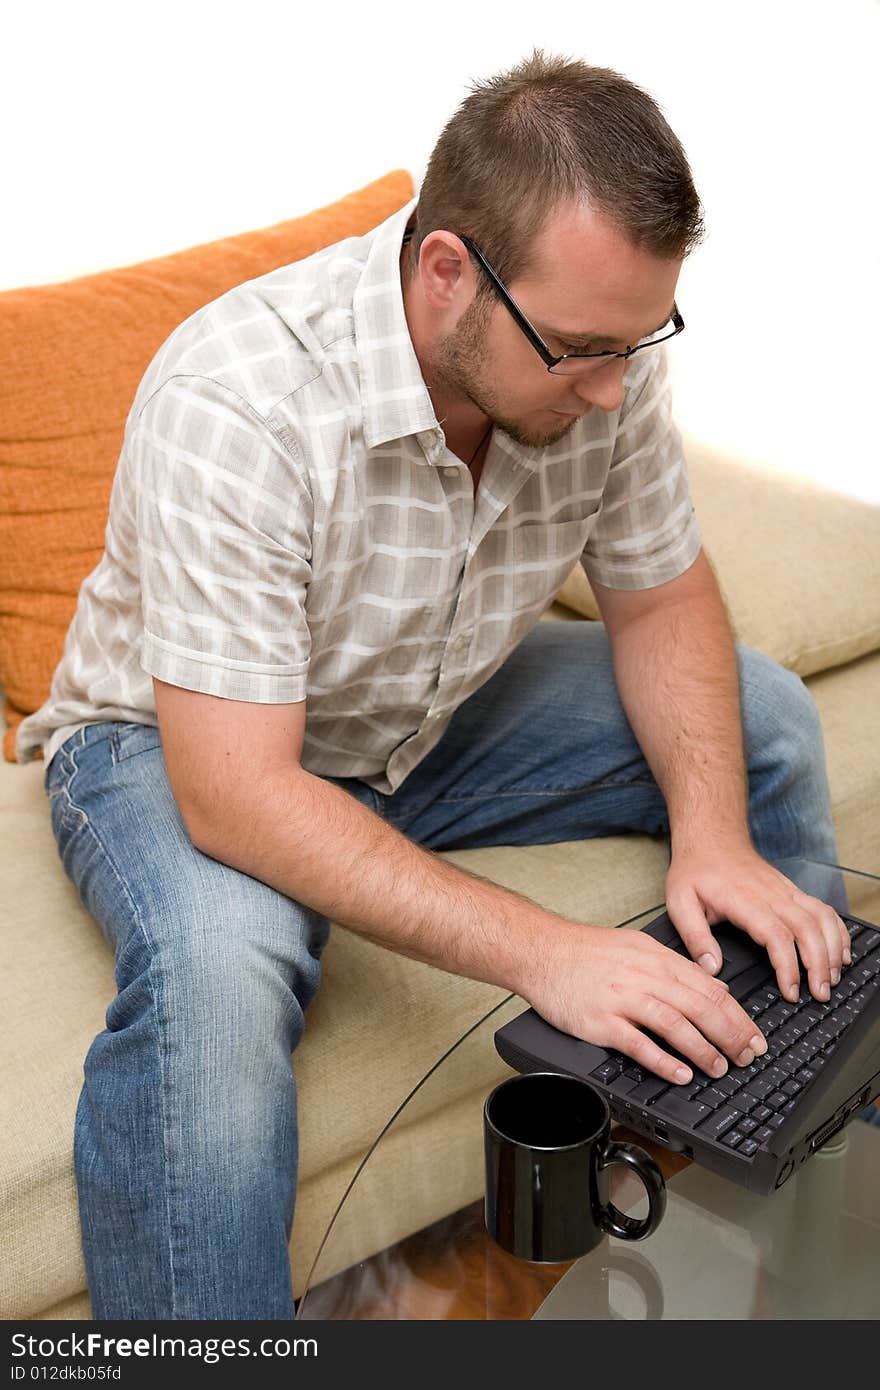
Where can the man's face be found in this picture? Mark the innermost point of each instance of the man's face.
(587, 281)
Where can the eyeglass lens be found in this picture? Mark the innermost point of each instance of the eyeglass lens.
(574, 365)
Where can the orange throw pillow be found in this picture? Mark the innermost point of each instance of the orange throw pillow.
(72, 358)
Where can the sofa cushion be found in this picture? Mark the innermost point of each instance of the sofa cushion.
(73, 355)
(798, 564)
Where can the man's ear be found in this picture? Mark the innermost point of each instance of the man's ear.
(445, 271)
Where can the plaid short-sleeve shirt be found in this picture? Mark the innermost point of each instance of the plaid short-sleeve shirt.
(286, 523)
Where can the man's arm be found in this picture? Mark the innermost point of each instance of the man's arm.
(247, 802)
(676, 671)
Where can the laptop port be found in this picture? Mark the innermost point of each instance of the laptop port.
(661, 1131)
(859, 1103)
(824, 1134)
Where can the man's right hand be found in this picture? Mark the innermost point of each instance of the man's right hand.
(605, 984)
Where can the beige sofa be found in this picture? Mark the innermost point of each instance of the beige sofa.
(800, 569)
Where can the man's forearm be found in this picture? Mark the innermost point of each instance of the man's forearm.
(677, 676)
(318, 845)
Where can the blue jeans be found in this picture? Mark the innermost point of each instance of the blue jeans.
(185, 1144)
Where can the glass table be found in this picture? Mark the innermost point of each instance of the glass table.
(811, 1250)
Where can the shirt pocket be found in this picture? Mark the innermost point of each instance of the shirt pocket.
(544, 555)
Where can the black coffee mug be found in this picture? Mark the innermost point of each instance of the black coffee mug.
(548, 1150)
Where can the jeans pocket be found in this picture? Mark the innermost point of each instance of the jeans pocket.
(127, 740)
(56, 775)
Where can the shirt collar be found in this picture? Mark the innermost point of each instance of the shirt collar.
(396, 402)
(394, 396)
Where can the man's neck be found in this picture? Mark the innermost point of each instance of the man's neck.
(463, 423)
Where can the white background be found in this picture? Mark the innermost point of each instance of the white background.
(132, 130)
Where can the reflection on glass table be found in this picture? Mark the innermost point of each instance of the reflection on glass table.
(810, 1250)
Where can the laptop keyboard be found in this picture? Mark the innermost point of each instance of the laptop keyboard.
(743, 1108)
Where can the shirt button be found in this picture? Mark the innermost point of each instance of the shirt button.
(450, 472)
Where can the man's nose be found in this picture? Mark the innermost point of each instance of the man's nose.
(603, 387)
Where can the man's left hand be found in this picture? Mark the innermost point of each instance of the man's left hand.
(729, 880)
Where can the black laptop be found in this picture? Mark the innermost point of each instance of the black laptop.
(755, 1125)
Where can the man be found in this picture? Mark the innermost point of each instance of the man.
(311, 655)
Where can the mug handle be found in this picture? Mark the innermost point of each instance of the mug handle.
(617, 1223)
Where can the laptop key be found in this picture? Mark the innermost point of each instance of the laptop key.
(648, 1091)
(769, 994)
(637, 1073)
(762, 1135)
(729, 1083)
(790, 1064)
(622, 1085)
(720, 1122)
(607, 1071)
(733, 1137)
(747, 1100)
(686, 1112)
(789, 1033)
(691, 1091)
(713, 1097)
(748, 1147)
(760, 1113)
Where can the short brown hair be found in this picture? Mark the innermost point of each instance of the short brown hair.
(553, 130)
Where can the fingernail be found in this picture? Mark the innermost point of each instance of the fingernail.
(682, 1074)
(708, 963)
(758, 1044)
(719, 1067)
(847, 956)
(746, 1058)
(792, 992)
(824, 990)
(835, 977)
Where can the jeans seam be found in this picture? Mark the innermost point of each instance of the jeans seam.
(154, 996)
(68, 772)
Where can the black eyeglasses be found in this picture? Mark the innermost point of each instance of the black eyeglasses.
(569, 363)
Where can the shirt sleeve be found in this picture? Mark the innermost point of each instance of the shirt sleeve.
(224, 519)
(646, 532)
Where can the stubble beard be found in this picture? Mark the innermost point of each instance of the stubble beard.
(458, 365)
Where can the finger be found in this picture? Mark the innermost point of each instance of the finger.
(847, 942)
(834, 930)
(763, 926)
(627, 1038)
(802, 924)
(704, 1026)
(669, 1024)
(689, 919)
(688, 972)
(692, 976)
